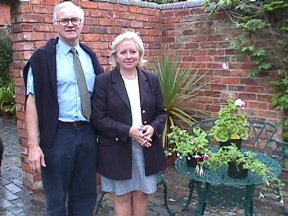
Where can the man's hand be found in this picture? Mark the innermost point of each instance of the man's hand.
(36, 159)
(35, 156)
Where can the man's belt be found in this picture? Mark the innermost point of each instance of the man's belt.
(72, 124)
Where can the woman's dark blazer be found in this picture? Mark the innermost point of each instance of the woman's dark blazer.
(111, 116)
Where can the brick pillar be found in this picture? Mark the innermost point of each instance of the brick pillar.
(31, 28)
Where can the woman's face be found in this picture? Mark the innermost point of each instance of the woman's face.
(128, 55)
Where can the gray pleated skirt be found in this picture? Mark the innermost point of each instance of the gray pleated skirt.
(139, 182)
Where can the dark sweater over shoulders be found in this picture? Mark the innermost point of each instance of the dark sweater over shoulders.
(43, 64)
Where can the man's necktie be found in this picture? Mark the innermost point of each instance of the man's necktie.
(84, 95)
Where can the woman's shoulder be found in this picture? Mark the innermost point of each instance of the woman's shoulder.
(149, 74)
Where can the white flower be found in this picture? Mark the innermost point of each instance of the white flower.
(240, 103)
(261, 195)
(199, 169)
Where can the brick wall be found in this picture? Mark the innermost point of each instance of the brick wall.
(4, 14)
(204, 41)
(186, 31)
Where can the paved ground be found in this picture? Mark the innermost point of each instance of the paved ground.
(16, 200)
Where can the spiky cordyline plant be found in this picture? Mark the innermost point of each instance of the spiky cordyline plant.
(178, 86)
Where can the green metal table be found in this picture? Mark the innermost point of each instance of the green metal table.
(216, 183)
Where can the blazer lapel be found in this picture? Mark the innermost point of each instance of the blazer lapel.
(119, 86)
(143, 86)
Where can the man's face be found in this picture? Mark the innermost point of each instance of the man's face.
(69, 26)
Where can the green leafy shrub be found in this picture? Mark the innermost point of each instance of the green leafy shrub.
(7, 98)
(5, 57)
(186, 144)
(7, 87)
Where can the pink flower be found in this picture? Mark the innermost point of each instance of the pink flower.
(240, 103)
(205, 157)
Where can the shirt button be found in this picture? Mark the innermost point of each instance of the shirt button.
(143, 111)
(116, 139)
(145, 122)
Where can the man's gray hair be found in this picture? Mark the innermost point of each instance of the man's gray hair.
(67, 4)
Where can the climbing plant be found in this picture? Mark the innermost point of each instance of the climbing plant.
(264, 40)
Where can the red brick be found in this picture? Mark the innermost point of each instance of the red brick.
(248, 96)
(91, 37)
(136, 10)
(215, 52)
(232, 80)
(120, 8)
(35, 2)
(50, 2)
(5, 14)
(105, 6)
(106, 22)
(195, 11)
(89, 5)
(267, 114)
(25, 8)
(205, 58)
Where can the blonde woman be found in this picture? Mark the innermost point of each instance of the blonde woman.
(128, 112)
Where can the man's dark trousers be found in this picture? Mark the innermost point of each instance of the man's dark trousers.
(71, 170)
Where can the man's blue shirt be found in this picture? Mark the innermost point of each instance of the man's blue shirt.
(67, 88)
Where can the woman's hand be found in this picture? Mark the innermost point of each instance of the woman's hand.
(142, 135)
(148, 132)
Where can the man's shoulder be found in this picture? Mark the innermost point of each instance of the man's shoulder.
(50, 46)
(86, 48)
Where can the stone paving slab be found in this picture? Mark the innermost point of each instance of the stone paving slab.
(17, 200)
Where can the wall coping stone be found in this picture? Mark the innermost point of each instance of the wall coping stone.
(153, 5)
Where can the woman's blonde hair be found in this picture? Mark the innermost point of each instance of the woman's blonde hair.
(128, 35)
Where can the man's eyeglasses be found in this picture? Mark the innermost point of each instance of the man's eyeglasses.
(65, 21)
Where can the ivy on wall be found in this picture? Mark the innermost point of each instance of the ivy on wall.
(264, 40)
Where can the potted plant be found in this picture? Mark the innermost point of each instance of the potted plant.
(231, 124)
(244, 161)
(194, 147)
(178, 86)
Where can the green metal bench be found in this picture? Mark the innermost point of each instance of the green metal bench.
(160, 182)
(261, 139)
